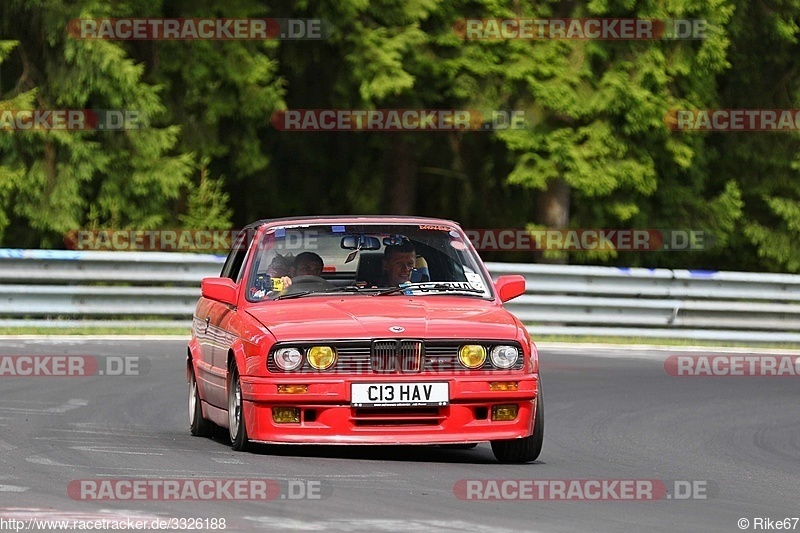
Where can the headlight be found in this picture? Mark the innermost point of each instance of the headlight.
(288, 359)
(472, 355)
(321, 357)
(504, 356)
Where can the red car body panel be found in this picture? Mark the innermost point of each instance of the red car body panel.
(244, 334)
(436, 317)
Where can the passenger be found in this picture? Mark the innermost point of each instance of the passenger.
(398, 263)
(277, 269)
(280, 266)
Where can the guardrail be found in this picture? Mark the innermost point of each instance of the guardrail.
(640, 302)
(66, 289)
(59, 288)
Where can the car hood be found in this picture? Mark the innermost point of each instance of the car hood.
(355, 317)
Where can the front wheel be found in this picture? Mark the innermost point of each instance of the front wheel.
(526, 449)
(199, 426)
(237, 428)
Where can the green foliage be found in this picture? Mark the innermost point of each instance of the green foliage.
(57, 181)
(595, 114)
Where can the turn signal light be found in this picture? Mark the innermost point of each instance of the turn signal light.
(504, 413)
(285, 415)
(292, 389)
(503, 385)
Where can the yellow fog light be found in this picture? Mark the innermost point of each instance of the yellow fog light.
(321, 357)
(472, 355)
(285, 415)
(504, 412)
(503, 386)
(292, 389)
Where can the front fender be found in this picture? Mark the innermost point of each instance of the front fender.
(192, 354)
(237, 355)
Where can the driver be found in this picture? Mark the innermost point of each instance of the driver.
(398, 262)
(305, 264)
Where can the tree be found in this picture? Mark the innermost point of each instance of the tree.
(764, 165)
(65, 180)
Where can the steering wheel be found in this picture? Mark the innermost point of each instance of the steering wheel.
(311, 279)
(307, 283)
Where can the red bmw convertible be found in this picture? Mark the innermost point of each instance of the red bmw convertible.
(363, 330)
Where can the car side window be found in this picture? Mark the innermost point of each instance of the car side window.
(233, 264)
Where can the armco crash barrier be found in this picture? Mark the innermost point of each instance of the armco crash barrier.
(78, 288)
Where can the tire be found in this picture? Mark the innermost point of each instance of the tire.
(237, 428)
(526, 449)
(199, 426)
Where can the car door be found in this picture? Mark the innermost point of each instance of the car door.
(218, 314)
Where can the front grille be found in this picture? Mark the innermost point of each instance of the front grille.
(351, 359)
(383, 356)
(391, 356)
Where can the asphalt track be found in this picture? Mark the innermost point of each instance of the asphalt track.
(609, 415)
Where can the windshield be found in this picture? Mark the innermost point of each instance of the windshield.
(379, 260)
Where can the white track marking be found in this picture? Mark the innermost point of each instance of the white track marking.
(57, 409)
(227, 461)
(80, 339)
(13, 488)
(45, 461)
(655, 351)
(69, 406)
(109, 432)
(101, 449)
(275, 523)
(27, 513)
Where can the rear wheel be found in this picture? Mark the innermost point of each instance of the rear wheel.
(237, 428)
(526, 449)
(199, 426)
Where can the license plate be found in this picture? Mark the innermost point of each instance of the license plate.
(400, 394)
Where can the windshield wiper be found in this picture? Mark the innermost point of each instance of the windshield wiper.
(345, 288)
(349, 288)
(426, 286)
(292, 295)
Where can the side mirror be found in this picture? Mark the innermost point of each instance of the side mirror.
(219, 289)
(509, 287)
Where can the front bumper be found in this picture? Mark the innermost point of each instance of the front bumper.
(328, 418)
